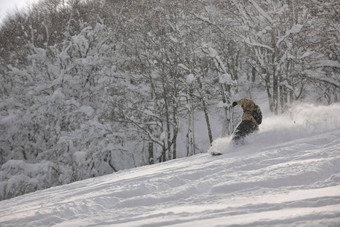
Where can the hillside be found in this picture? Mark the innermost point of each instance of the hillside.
(287, 175)
(90, 88)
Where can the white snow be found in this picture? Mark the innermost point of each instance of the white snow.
(262, 12)
(222, 104)
(319, 75)
(183, 67)
(250, 43)
(226, 78)
(88, 110)
(287, 174)
(296, 28)
(80, 157)
(163, 136)
(212, 52)
(190, 79)
(329, 63)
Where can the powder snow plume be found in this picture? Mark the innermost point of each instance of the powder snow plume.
(300, 121)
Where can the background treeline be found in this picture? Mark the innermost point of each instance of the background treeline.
(92, 87)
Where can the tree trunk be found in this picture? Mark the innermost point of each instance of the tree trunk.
(275, 74)
(268, 88)
(175, 131)
(253, 75)
(191, 127)
(167, 117)
(227, 124)
(150, 148)
(205, 110)
(190, 136)
(275, 93)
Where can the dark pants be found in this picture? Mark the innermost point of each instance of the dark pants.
(243, 129)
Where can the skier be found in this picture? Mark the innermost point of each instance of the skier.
(251, 119)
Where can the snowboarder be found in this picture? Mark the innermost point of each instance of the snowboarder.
(251, 119)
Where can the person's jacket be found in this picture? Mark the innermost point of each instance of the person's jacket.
(248, 107)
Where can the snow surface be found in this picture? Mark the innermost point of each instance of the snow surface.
(288, 174)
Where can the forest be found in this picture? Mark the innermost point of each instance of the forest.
(89, 87)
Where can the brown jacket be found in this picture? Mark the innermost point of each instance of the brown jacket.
(248, 107)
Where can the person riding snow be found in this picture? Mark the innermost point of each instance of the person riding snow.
(251, 119)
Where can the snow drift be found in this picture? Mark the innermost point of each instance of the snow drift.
(288, 174)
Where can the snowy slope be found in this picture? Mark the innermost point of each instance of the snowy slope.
(287, 175)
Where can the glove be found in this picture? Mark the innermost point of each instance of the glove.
(234, 104)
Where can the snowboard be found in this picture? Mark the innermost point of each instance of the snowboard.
(215, 153)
